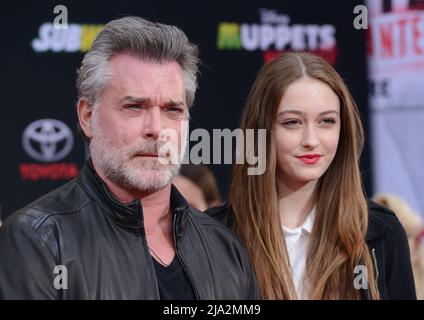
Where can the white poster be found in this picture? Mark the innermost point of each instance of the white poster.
(396, 69)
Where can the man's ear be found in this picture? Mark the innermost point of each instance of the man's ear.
(85, 111)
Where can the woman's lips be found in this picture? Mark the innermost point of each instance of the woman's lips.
(310, 158)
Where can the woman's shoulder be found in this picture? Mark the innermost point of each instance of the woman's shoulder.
(382, 222)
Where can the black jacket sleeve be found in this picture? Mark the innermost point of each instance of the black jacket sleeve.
(26, 264)
(399, 276)
(387, 238)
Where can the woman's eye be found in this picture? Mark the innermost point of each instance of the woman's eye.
(329, 121)
(291, 123)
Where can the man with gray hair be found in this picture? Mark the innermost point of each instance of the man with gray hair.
(121, 230)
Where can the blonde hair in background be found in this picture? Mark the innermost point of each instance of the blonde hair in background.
(413, 225)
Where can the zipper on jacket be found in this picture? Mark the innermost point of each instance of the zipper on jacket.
(374, 258)
(196, 292)
(375, 264)
(149, 258)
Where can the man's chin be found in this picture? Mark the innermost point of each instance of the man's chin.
(159, 175)
(145, 180)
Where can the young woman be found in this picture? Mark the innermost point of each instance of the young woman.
(309, 230)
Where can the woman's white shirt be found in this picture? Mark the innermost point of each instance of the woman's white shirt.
(297, 242)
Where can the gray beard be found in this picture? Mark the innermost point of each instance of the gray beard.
(121, 166)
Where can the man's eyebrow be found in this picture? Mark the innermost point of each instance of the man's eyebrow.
(134, 100)
(141, 100)
(301, 113)
(173, 103)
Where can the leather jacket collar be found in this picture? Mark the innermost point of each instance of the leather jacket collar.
(128, 215)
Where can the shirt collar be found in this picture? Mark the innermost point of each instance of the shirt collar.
(309, 222)
(306, 226)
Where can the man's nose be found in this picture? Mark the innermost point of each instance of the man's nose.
(152, 123)
(310, 137)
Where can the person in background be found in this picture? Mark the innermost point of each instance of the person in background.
(198, 184)
(309, 230)
(191, 192)
(414, 228)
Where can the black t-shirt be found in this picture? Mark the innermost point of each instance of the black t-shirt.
(173, 282)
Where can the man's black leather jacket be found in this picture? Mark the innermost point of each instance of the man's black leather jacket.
(102, 244)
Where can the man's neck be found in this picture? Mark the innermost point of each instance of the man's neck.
(157, 216)
(156, 204)
(295, 203)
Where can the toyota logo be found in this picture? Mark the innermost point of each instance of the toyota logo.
(47, 140)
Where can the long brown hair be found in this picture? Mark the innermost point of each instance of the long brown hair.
(337, 242)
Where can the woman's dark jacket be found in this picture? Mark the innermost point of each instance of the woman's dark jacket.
(388, 245)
